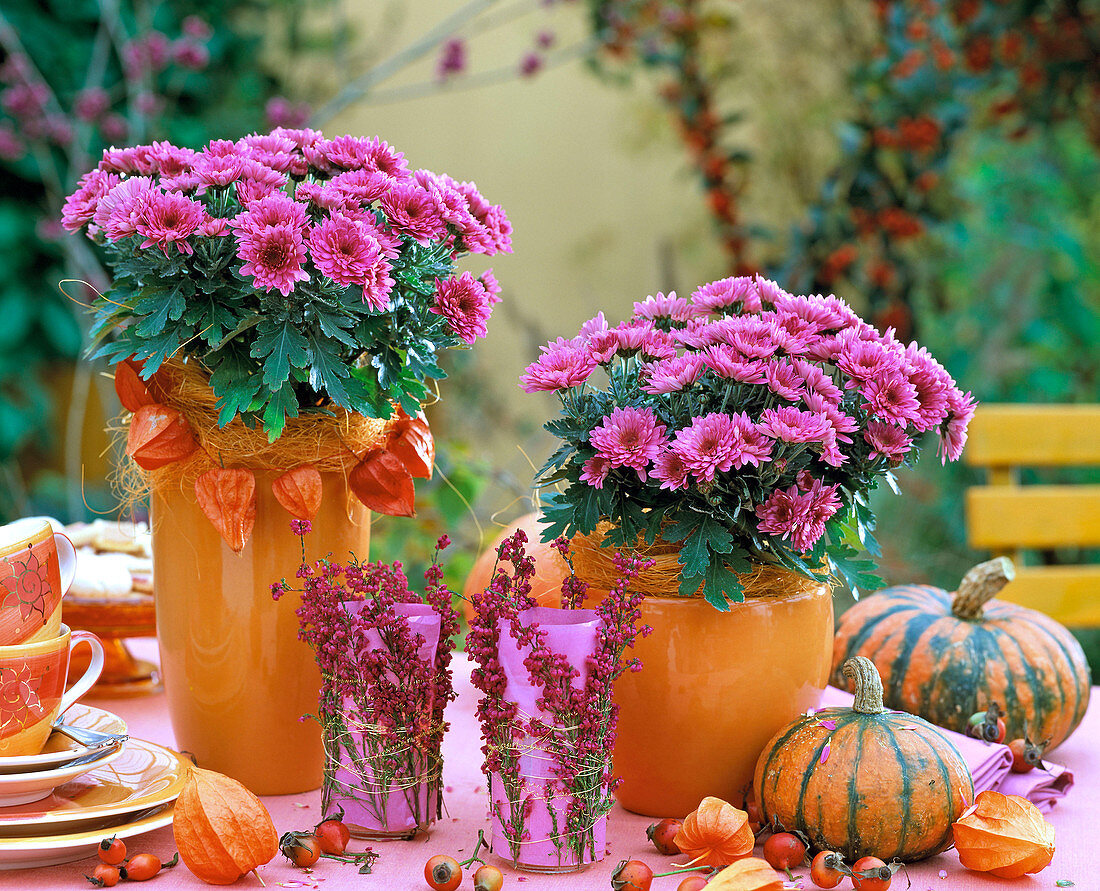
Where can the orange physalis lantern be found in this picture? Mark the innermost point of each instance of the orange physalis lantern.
(384, 484)
(715, 833)
(411, 440)
(750, 874)
(222, 830)
(228, 498)
(132, 391)
(299, 491)
(1005, 835)
(158, 436)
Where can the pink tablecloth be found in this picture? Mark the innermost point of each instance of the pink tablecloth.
(401, 864)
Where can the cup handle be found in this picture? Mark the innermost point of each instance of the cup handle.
(91, 675)
(66, 560)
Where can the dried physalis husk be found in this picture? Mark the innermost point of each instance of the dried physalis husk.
(715, 833)
(749, 874)
(228, 498)
(1005, 835)
(411, 440)
(158, 436)
(384, 484)
(299, 491)
(132, 391)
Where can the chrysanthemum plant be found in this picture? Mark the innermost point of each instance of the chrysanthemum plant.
(299, 271)
(746, 424)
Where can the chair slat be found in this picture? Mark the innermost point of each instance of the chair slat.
(1068, 594)
(1034, 436)
(1033, 516)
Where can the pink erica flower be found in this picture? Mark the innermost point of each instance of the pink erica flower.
(629, 437)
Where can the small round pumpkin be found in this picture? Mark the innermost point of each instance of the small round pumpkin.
(550, 568)
(222, 830)
(864, 781)
(946, 656)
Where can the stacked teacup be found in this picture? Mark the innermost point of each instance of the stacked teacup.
(37, 566)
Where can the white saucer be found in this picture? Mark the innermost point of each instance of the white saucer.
(48, 850)
(24, 788)
(60, 750)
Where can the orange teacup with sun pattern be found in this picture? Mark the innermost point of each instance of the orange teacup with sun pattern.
(37, 566)
(32, 688)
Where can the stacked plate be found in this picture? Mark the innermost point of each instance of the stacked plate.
(56, 806)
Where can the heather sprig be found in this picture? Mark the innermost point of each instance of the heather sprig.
(299, 271)
(746, 424)
(381, 704)
(577, 730)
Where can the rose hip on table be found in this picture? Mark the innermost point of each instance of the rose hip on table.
(663, 835)
(632, 875)
(142, 867)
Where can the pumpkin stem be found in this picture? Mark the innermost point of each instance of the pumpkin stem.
(980, 585)
(868, 694)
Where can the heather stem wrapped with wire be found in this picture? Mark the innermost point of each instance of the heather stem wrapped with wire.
(547, 714)
(384, 654)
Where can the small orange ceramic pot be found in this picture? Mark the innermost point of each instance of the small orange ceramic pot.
(713, 689)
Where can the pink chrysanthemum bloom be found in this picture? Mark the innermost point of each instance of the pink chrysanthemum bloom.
(629, 437)
(823, 314)
(266, 143)
(602, 346)
(250, 190)
(862, 360)
(496, 230)
(221, 148)
(933, 385)
(346, 251)
(344, 152)
(664, 307)
(411, 211)
(753, 336)
(492, 286)
(273, 257)
(121, 209)
(321, 196)
(658, 344)
(789, 424)
(953, 434)
(463, 302)
(183, 182)
(214, 227)
(718, 442)
(695, 335)
(674, 374)
(769, 291)
(815, 380)
(840, 422)
(171, 160)
(794, 334)
(786, 514)
(726, 293)
(276, 209)
(170, 219)
(727, 362)
(632, 336)
(299, 136)
(595, 471)
(381, 156)
(133, 160)
(361, 186)
(595, 324)
(891, 396)
(564, 364)
(783, 379)
(671, 470)
(281, 162)
(219, 171)
(887, 441)
(80, 206)
(261, 173)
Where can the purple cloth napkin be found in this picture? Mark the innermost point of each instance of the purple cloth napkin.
(990, 764)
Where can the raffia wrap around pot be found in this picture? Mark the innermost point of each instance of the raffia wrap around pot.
(236, 676)
(715, 686)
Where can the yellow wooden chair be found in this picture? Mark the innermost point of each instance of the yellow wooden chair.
(1009, 518)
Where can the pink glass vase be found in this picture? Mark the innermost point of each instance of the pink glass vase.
(387, 784)
(529, 804)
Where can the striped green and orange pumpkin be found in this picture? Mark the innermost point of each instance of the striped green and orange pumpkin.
(864, 781)
(945, 657)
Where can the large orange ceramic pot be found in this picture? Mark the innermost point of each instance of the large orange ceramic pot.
(236, 676)
(713, 689)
